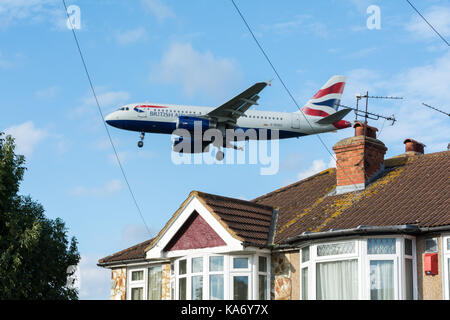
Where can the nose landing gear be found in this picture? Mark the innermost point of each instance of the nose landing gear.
(141, 142)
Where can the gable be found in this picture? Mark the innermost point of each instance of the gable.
(195, 233)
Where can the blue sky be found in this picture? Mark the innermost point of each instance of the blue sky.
(197, 52)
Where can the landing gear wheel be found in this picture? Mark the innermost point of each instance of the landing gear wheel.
(220, 155)
(141, 142)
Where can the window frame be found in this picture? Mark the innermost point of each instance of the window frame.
(363, 259)
(446, 266)
(131, 284)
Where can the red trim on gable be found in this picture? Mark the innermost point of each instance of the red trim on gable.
(195, 233)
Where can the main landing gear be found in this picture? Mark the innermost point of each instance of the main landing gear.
(220, 155)
(141, 142)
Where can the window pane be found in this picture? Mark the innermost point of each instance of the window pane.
(197, 265)
(335, 248)
(382, 280)
(262, 287)
(262, 264)
(182, 289)
(216, 287)
(154, 283)
(337, 280)
(182, 267)
(409, 279)
(216, 263)
(381, 246)
(240, 287)
(431, 245)
(305, 254)
(305, 284)
(240, 263)
(137, 275)
(448, 244)
(408, 247)
(137, 293)
(197, 288)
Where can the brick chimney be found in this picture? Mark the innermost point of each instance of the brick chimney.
(359, 159)
(413, 147)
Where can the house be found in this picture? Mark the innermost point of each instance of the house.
(372, 228)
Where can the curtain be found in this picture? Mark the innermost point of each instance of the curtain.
(216, 287)
(154, 283)
(381, 279)
(197, 288)
(337, 280)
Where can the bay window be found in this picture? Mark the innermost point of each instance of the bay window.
(375, 268)
(218, 277)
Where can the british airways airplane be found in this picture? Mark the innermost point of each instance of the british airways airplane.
(320, 114)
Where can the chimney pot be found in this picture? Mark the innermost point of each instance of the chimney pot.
(361, 128)
(414, 146)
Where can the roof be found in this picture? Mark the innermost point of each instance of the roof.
(249, 221)
(136, 252)
(414, 189)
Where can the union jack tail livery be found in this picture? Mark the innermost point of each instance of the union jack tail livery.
(326, 101)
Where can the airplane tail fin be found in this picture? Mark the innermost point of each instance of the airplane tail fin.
(326, 101)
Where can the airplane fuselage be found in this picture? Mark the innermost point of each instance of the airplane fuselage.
(163, 118)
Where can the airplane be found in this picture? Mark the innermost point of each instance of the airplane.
(320, 114)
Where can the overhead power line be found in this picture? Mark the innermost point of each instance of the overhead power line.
(103, 121)
(434, 29)
(281, 80)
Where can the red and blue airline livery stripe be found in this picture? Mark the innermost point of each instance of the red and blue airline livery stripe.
(336, 88)
(138, 108)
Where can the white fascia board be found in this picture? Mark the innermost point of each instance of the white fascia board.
(232, 244)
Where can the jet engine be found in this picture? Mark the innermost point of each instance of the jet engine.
(189, 123)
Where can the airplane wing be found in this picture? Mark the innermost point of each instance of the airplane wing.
(230, 111)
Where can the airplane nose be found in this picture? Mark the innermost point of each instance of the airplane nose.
(109, 118)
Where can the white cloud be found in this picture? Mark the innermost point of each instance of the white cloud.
(196, 72)
(316, 167)
(439, 18)
(26, 136)
(427, 83)
(31, 11)
(110, 187)
(130, 36)
(133, 234)
(160, 10)
(95, 282)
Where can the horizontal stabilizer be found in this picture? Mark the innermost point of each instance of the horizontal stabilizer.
(335, 117)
